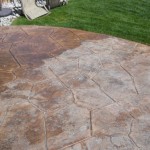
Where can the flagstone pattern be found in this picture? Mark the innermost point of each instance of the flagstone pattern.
(68, 89)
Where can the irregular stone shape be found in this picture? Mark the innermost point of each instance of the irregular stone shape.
(15, 37)
(116, 82)
(33, 45)
(89, 64)
(33, 75)
(123, 46)
(138, 106)
(94, 143)
(91, 98)
(15, 92)
(70, 89)
(66, 38)
(32, 60)
(138, 67)
(112, 119)
(114, 46)
(114, 142)
(77, 80)
(123, 142)
(16, 89)
(23, 128)
(140, 132)
(51, 95)
(7, 62)
(60, 67)
(45, 40)
(67, 126)
(24, 48)
(143, 82)
(6, 104)
(112, 51)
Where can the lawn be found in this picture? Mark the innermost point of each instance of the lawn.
(128, 19)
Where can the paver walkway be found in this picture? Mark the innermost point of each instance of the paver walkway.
(72, 90)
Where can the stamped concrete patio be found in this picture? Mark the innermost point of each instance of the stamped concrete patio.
(72, 90)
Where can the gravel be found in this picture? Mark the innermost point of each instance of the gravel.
(17, 11)
(16, 8)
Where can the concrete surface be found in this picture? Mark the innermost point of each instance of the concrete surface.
(72, 90)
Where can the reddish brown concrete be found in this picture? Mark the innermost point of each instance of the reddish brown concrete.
(73, 90)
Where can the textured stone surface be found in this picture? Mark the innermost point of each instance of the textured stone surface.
(72, 90)
(22, 128)
(67, 126)
(111, 120)
(114, 142)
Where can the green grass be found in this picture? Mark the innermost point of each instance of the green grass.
(128, 19)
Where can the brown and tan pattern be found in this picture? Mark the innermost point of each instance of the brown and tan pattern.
(72, 90)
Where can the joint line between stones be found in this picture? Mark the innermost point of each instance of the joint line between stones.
(103, 91)
(70, 145)
(45, 132)
(15, 77)
(56, 41)
(132, 78)
(75, 35)
(43, 112)
(129, 134)
(91, 125)
(35, 106)
(4, 37)
(64, 85)
(14, 56)
(24, 31)
(69, 89)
